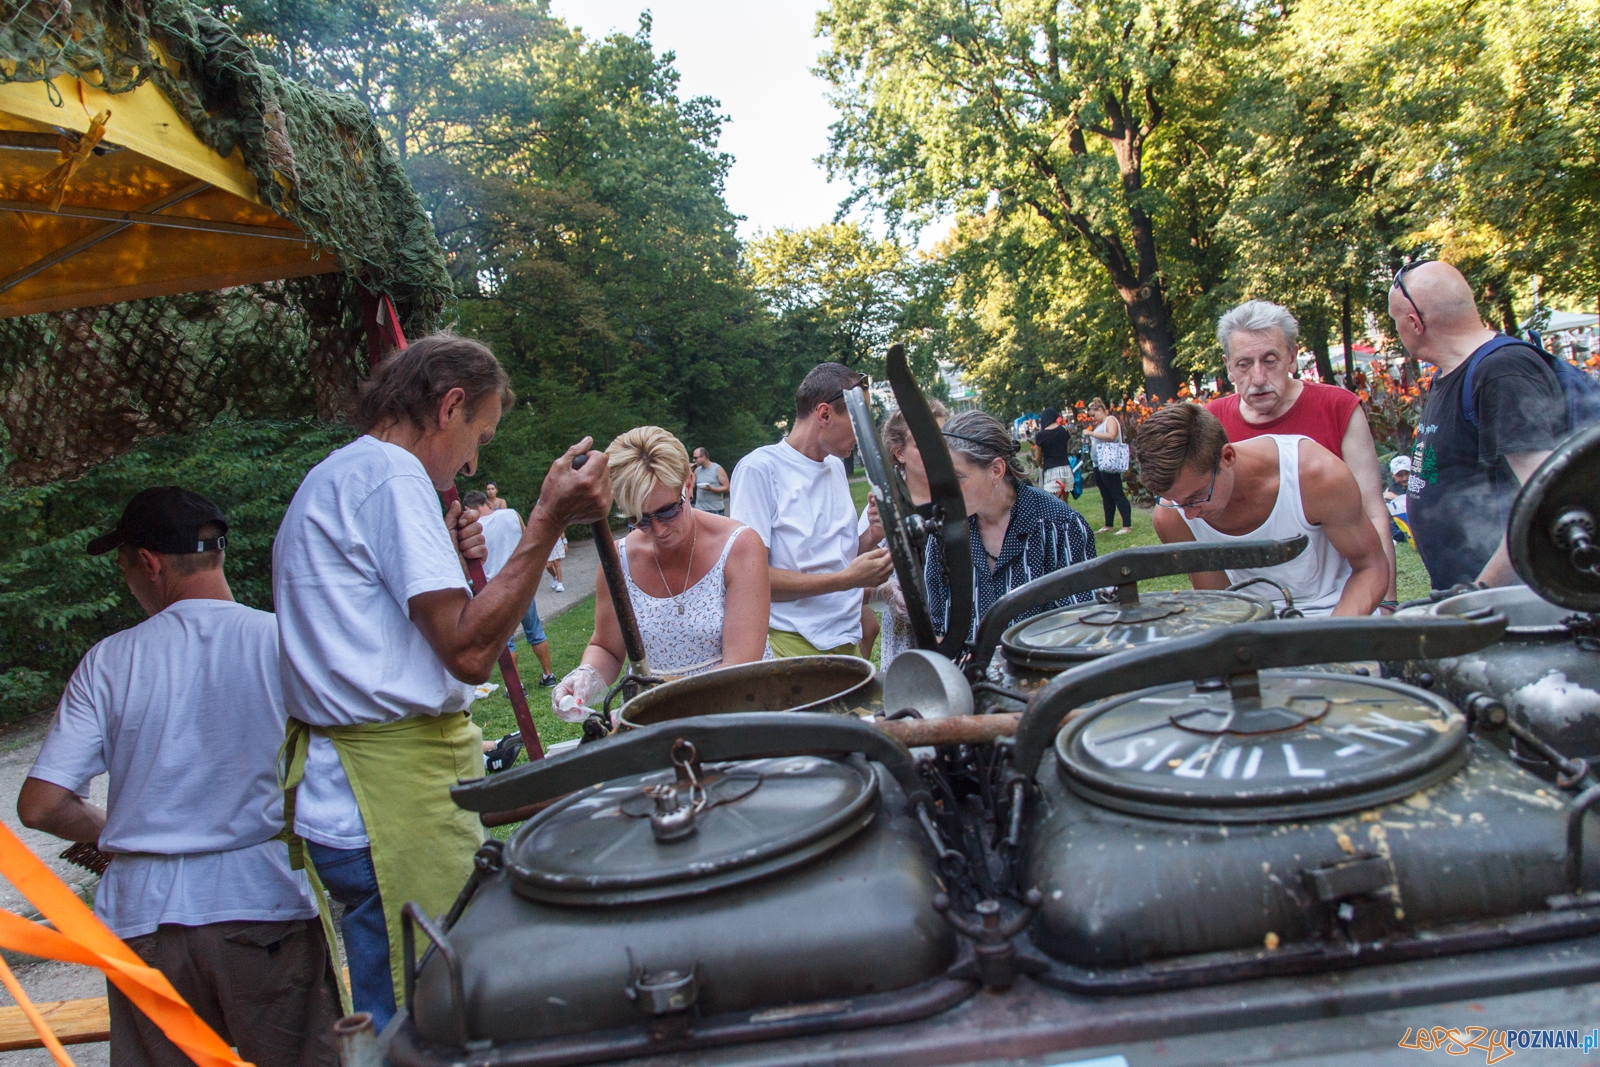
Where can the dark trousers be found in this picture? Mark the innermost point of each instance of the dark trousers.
(266, 988)
(348, 876)
(1112, 498)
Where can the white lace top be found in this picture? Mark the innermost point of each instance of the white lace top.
(683, 634)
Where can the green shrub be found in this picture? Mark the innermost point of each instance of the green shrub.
(56, 601)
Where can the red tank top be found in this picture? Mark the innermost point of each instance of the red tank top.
(1321, 412)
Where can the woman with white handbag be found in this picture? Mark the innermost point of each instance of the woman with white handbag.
(1110, 462)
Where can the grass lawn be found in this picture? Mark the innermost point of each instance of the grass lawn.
(569, 635)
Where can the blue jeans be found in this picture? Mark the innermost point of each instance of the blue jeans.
(532, 628)
(349, 878)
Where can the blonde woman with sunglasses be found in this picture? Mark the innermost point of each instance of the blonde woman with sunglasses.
(698, 581)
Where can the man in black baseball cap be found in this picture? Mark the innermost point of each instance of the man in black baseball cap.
(185, 714)
(167, 519)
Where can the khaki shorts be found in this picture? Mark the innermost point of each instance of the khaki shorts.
(786, 644)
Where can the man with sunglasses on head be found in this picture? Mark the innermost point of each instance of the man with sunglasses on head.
(1477, 445)
(1275, 486)
(796, 496)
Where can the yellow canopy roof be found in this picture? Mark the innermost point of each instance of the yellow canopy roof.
(152, 212)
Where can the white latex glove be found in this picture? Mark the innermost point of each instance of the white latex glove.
(572, 693)
(893, 597)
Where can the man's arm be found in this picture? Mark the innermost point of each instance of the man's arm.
(870, 568)
(467, 632)
(57, 810)
(1499, 571)
(1331, 499)
(1171, 528)
(1361, 456)
(722, 481)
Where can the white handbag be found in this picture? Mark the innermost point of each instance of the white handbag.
(1111, 456)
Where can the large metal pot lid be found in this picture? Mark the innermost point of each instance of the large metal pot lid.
(1554, 534)
(1527, 613)
(1087, 631)
(1311, 744)
(668, 834)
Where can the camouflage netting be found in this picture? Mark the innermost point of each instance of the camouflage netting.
(81, 386)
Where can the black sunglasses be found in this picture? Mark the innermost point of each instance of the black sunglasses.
(1163, 502)
(1400, 284)
(840, 394)
(666, 514)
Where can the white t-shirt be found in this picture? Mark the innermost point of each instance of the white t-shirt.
(185, 713)
(803, 512)
(502, 532)
(363, 535)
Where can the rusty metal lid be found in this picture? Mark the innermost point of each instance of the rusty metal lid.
(671, 834)
(1087, 631)
(1306, 744)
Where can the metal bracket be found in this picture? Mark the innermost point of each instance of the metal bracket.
(411, 916)
(996, 961)
(716, 739)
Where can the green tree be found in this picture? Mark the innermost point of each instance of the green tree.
(1055, 109)
(837, 292)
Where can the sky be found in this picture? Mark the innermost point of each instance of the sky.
(755, 58)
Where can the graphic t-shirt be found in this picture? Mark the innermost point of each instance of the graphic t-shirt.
(1461, 489)
(1055, 447)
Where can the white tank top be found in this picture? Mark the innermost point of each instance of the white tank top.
(1316, 577)
(683, 634)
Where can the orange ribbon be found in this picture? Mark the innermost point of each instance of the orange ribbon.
(40, 1027)
(79, 937)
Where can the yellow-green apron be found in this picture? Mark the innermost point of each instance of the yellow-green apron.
(401, 773)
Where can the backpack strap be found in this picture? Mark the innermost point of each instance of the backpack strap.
(1469, 409)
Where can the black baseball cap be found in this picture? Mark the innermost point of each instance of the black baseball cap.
(166, 519)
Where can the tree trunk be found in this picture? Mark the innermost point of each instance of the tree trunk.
(1347, 335)
(1317, 335)
(1147, 311)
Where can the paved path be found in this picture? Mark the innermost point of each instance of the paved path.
(578, 570)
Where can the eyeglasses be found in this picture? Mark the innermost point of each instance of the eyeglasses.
(1163, 502)
(661, 515)
(840, 394)
(1400, 284)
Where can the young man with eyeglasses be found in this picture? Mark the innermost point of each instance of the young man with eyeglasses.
(1275, 486)
(796, 496)
(1473, 451)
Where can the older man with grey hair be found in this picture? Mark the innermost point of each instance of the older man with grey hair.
(1258, 340)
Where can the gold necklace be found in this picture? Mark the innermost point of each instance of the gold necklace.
(694, 535)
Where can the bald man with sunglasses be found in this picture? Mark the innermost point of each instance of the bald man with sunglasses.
(1466, 468)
